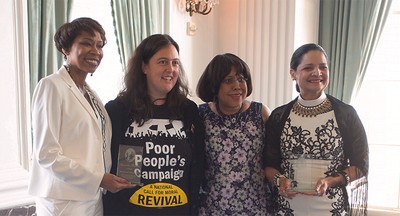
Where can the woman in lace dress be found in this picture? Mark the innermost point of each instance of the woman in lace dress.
(234, 182)
(316, 146)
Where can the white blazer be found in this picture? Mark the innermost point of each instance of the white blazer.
(68, 160)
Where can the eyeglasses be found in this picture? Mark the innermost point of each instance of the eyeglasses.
(233, 80)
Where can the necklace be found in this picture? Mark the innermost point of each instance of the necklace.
(313, 111)
(81, 89)
(221, 113)
(158, 99)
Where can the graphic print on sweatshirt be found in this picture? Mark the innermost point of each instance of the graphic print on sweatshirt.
(156, 156)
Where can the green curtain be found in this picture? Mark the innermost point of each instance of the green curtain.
(134, 20)
(44, 18)
(349, 31)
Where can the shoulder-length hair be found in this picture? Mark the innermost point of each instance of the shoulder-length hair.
(216, 71)
(135, 94)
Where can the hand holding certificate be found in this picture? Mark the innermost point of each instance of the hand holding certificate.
(305, 172)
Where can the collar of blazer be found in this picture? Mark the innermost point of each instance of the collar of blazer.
(75, 91)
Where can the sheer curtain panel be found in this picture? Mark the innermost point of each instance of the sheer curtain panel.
(134, 20)
(349, 31)
(44, 18)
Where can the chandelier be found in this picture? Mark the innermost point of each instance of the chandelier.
(200, 6)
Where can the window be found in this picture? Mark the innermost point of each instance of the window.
(107, 80)
(15, 124)
(15, 113)
(377, 104)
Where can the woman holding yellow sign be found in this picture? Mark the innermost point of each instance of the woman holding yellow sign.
(157, 140)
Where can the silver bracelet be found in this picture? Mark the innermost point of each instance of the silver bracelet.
(346, 177)
(277, 177)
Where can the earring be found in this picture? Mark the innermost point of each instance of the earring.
(68, 64)
(68, 67)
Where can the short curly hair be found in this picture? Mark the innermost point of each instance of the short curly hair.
(66, 34)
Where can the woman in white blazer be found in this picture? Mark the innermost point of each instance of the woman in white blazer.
(72, 130)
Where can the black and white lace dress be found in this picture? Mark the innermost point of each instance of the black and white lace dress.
(312, 148)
